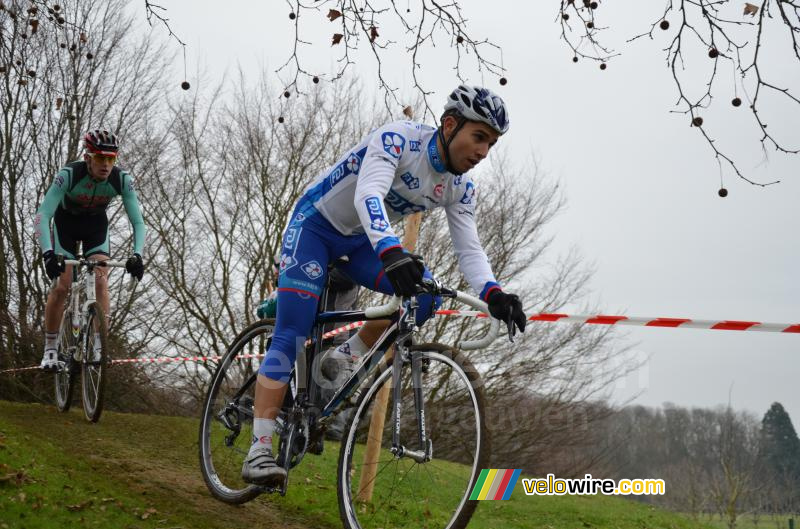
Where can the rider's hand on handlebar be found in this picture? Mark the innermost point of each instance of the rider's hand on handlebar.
(53, 264)
(135, 266)
(507, 308)
(403, 270)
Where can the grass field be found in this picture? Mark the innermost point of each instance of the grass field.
(140, 471)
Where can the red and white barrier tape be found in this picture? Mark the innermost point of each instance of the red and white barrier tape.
(598, 319)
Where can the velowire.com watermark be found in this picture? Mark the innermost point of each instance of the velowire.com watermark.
(499, 483)
(552, 486)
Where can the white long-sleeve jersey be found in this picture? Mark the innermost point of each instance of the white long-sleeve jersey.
(396, 170)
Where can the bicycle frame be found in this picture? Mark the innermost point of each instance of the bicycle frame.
(399, 333)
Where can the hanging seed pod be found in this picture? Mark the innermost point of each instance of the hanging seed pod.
(90, 56)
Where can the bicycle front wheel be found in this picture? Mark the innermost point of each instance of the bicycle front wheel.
(94, 363)
(378, 489)
(226, 427)
(68, 370)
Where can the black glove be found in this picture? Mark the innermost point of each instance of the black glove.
(507, 308)
(404, 271)
(53, 264)
(134, 266)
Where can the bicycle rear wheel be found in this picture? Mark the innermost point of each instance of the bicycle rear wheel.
(68, 371)
(94, 363)
(226, 426)
(390, 491)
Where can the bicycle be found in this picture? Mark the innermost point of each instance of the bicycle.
(81, 319)
(424, 483)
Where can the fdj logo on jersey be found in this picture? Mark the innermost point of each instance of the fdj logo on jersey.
(393, 143)
(312, 269)
(410, 180)
(377, 221)
(290, 238)
(337, 174)
(468, 194)
(353, 163)
(287, 261)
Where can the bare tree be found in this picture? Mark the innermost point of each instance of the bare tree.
(219, 192)
(732, 481)
(709, 458)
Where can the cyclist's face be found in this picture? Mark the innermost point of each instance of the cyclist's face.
(471, 144)
(100, 166)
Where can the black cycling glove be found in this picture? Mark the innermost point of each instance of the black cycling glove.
(507, 308)
(53, 264)
(135, 266)
(403, 270)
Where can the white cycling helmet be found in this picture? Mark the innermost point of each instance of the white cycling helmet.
(479, 104)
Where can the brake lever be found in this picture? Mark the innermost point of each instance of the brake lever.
(511, 329)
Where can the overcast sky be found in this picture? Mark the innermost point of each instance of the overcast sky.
(640, 184)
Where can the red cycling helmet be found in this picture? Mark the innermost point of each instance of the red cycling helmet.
(101, 142)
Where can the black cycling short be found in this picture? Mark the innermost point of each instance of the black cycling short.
(91, 230)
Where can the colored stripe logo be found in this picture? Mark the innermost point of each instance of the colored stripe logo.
(495, 484)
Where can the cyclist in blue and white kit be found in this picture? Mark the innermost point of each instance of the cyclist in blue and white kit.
(398, 169)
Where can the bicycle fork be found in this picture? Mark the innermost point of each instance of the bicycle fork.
(402, 357)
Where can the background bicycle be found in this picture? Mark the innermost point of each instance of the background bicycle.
(426, 448)
(83, 317)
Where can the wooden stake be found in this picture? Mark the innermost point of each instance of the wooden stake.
(367, 480)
